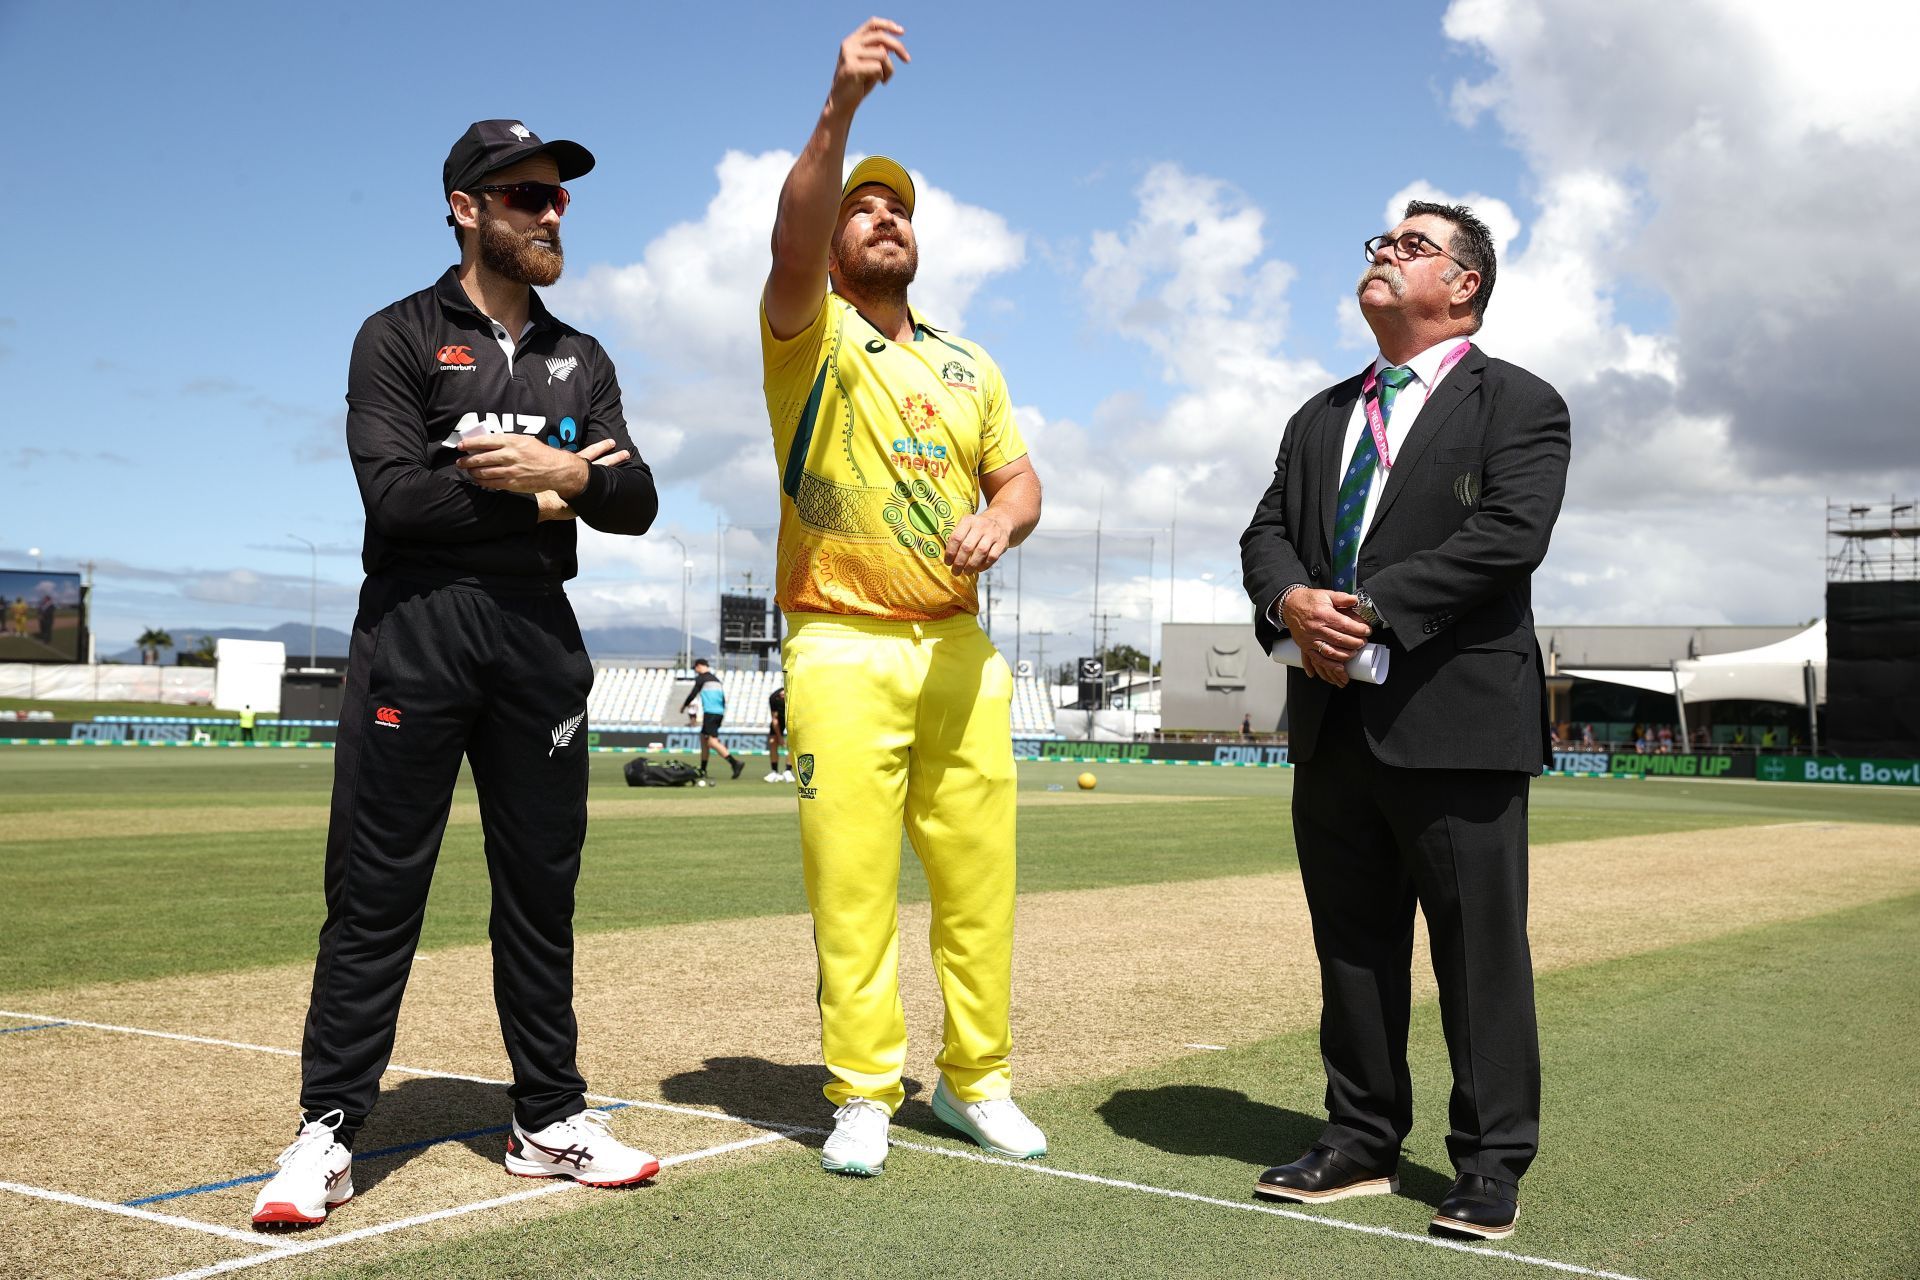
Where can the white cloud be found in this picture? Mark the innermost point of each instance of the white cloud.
(1744, 164)
(683, 323)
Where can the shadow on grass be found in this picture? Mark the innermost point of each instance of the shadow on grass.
(755, 1088)
(1202, 1120)
(424, 1111)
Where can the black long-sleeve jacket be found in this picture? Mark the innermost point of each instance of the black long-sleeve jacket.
(428, 369)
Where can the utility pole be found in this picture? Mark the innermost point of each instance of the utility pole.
(1019, 572)
(313, 601)
(1173, 558)
(1040, 647)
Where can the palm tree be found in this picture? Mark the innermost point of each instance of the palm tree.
(151, 642)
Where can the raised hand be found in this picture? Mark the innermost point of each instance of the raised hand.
(866, 59)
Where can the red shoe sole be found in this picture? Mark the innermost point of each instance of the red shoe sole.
(282, 1216)
(647, 1170)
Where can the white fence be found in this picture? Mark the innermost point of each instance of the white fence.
(106, 682)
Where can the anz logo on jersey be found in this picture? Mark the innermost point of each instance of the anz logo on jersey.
(565, 435)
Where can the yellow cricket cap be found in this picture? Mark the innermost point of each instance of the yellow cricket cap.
(886, 171)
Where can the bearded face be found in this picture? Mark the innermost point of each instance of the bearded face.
(876, 258)
(532, 256)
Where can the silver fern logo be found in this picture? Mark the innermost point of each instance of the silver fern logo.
(560, 368)
(564, 731)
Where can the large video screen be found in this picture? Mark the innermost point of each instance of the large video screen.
(40, 617)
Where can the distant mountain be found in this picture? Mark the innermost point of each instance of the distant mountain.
(602, 642)
(327, 642)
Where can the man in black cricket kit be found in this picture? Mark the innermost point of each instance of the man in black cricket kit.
(1410, 506)
(480, 429)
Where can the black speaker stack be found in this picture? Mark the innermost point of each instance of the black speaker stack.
(1873, 669)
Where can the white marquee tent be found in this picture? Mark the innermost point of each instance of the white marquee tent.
(1785, 671)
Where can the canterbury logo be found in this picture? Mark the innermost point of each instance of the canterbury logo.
(388, 716)
(564, 731)
(454, 355)
(560, 368)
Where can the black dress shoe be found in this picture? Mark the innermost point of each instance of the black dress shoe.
(1324, 1174)
(1478, 1207)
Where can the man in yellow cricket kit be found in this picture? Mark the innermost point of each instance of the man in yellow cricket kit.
(886, 432)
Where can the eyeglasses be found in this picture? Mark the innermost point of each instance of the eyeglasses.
(531, 197)
(1409, 245)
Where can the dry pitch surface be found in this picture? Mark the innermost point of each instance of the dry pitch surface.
(699, 1023)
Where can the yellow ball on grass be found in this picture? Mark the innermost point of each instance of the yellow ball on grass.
(1088, 782)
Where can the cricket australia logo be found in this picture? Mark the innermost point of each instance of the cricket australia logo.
(564, 731)
(807, 790)
(560, 368)
(955, 374)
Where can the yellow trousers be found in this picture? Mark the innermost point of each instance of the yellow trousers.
(896, 724)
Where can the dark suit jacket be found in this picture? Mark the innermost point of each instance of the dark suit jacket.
(1449, 560)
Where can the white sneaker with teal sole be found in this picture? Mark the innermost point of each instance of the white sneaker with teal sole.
(858, 1143)
(997, 1124)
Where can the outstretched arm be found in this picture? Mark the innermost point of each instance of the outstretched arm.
(803, 229)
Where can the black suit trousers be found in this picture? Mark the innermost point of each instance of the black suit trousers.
(1373, 841)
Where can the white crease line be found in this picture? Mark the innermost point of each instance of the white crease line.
(273, 1247)
(780, 1130)
(401, 1224)
(407, 1071)
(1478, 1251)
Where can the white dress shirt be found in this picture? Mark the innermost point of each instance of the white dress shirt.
(1406, 409)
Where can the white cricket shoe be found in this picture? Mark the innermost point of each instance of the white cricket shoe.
(581, 1147)
(316, 1175)
(996, 1124)
(786, 775)
(858, 1143)
(774, 776)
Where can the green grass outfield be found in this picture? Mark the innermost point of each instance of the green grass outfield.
(1745, 1106)
(143, 906)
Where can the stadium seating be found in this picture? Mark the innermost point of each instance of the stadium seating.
(642, 698)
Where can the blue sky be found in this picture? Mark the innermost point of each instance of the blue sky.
(225, 191)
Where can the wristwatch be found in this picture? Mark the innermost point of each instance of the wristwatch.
(1363, 609)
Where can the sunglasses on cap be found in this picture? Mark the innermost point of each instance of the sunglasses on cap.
(530, 197)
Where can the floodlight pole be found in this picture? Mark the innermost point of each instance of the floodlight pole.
(313, 603)
(686, 630)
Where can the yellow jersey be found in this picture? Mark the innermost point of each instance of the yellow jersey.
(880, 446)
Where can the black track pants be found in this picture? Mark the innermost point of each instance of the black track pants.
(435, 673)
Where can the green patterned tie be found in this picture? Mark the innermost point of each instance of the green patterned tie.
(1358, 481)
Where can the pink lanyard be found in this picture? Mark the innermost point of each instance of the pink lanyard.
(1377, 423)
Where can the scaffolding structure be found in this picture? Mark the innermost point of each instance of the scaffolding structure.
(1873, 541)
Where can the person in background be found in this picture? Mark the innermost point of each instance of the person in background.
(712, 696)
(777, 735)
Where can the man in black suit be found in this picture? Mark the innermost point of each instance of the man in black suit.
(1409, 507)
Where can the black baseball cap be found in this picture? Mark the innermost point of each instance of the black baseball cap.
(494, 144)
